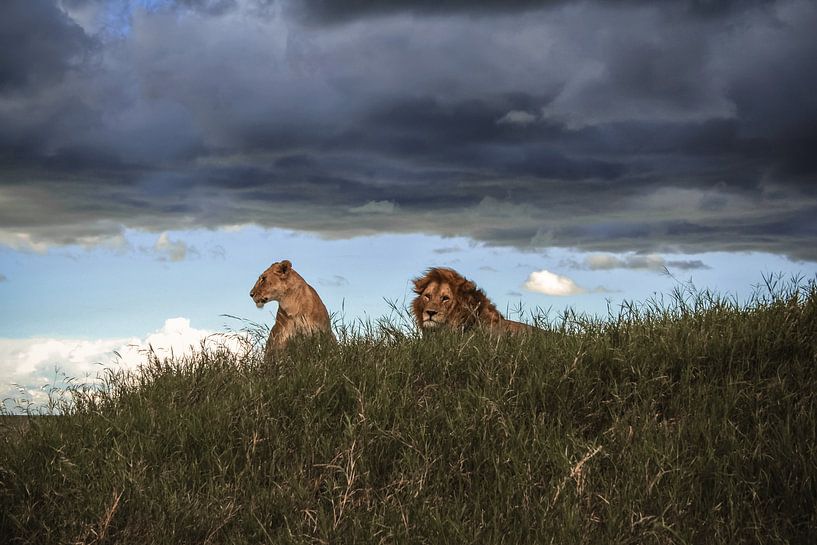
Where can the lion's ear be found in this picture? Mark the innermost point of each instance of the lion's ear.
(284, 267)
(420, 284)
(468, 287)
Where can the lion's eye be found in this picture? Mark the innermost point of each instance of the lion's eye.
(426, 296)
(445, 298)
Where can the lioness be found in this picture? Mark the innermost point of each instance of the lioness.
(300, 309)
(447, 299)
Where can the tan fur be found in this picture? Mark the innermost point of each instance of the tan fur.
(300, 309)
(447, 299)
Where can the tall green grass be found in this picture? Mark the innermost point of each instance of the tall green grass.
(691, 419)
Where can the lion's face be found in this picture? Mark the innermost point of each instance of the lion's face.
(272, 284)
(434, 303)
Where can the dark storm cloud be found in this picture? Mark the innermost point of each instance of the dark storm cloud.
(209, 7)
(214, 7)
(469, 133)
(547, 123)
(346, 10)
(39, 44)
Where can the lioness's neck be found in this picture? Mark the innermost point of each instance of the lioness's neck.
(291, 303)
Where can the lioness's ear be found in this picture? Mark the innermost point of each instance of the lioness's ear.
(284, 267)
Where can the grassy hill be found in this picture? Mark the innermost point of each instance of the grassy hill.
(692, 420)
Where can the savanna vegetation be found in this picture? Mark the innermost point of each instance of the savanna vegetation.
(687, 419)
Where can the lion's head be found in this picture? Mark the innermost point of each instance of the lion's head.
(447, 299)
(273, 283)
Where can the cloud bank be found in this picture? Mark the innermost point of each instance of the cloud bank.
(525, 123)
(650, 262)
(28, 367)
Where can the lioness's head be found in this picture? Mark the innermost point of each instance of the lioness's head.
(272, 284)
(447, 299)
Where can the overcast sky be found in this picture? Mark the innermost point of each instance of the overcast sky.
(683, 125)
(582, 141)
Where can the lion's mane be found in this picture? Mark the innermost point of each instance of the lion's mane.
(469, 307)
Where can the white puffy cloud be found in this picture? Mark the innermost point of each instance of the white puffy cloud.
(550, 283)
(29, 365)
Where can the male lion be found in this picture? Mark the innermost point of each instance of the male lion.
(447, 299)
(300, 309)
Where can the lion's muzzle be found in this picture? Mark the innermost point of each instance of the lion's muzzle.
(428, 318)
